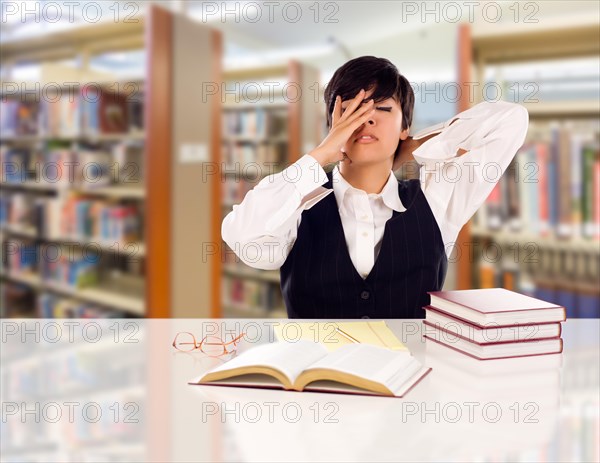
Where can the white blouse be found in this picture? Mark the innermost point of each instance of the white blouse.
(263, 228)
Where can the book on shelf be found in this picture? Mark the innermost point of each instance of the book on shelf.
(93, 169)
(108, 111)
(549, 189)
(254, 123)
(113, 112)
(61, 115)
(88, 110)
(76, 218)
(510, 192)
(135, 112)
(20, 255)
(55, 306)
(128, 157)
(17, 211)
(267, 157)
(69, 268)
(13, 164)
(590, 201)
(5, 211)
(57, 265)
(60, 166)
(16, 300)
(563, 221)
(19, 117)
(502, 208)
(308, 366)
(496, 307)
(493, 208)
(245, 294)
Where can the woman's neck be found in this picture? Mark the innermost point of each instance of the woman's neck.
(370, 178)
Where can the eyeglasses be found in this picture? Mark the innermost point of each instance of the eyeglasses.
(213, 346)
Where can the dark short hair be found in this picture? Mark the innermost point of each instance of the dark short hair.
(367, 72)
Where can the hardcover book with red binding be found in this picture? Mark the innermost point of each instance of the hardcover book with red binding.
(437, 319)
(498, 306)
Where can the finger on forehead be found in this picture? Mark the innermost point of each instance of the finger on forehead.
(356, 98)
(337, 108)
(346, 103)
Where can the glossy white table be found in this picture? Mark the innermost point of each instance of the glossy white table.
(533, 409)
(536, 409)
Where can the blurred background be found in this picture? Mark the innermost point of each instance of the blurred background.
(130, 129)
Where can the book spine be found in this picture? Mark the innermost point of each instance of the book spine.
(587, 190)
(511, 179)
(564, 228)
(493, 206)
(470, 322)
(542, 196)
(469, 334)
(596, 196)
(576, 146)
(533, 180)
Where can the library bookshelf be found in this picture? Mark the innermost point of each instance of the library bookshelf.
(262, 136)
(115, 221)
(544, 232)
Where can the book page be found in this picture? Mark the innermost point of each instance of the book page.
(376, 333)
(334, 386)
(289, 358)
(249, 380)
(384, 366)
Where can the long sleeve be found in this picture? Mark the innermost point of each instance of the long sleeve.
(263, 227)
(456, 186)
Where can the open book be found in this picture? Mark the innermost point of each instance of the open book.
(308, 366)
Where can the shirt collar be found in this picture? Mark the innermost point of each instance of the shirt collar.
(389, 194)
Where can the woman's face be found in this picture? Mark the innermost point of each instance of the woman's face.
(385, 128)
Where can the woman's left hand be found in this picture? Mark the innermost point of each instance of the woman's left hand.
(409, 145)
(406, 152)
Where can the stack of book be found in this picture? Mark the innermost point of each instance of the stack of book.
(494, 323)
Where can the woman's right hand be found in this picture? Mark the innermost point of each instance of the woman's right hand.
(343, 125)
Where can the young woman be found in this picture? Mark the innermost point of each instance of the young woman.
(376, 246)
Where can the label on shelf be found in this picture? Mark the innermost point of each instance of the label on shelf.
(193, 153)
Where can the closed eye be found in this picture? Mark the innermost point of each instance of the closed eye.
(382, 108)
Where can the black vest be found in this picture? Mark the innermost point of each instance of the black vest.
(319, 280)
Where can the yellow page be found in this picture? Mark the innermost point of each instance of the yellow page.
(376, 333)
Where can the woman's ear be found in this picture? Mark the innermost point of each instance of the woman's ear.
(404, 134)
